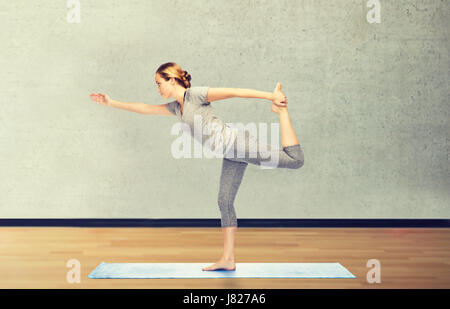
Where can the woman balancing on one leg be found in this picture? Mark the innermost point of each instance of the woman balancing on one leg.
(238, 145)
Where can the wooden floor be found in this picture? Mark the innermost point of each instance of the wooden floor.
(36, 257)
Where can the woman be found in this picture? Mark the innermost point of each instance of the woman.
(173, 82)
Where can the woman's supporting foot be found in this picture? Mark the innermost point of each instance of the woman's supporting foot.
(222, 265)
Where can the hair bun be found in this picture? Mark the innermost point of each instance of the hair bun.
(186, 76)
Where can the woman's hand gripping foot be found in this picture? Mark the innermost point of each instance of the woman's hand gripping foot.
(279, 101)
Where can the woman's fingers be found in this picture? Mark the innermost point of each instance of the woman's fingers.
(97, 97)
(280, 104)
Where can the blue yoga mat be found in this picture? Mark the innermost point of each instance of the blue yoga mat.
(194, 271)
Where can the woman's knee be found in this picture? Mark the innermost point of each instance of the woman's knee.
(298, 163)
(296, 153)
(228, 215)
(224, 201)
(226, 206)
(227, 211)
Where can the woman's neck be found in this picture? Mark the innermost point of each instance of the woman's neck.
(179, 95)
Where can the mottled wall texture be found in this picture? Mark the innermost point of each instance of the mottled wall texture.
(369, 103)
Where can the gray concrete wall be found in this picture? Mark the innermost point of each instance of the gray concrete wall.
(369, 103)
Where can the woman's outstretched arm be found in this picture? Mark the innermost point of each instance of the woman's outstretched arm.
(137, 107)
(215, 94)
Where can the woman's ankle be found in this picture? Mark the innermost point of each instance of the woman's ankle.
(227, 259)
(283, 110)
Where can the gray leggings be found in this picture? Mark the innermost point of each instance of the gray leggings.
(234, 165)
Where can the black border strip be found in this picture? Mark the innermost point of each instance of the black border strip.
(269, 223)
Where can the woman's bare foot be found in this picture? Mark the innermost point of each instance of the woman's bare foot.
(277, 109)
(222, 264)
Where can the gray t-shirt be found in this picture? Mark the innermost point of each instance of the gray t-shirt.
(210, 131)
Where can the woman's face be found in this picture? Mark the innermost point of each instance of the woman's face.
(164, 87)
